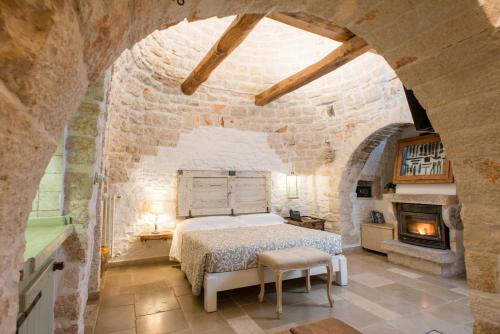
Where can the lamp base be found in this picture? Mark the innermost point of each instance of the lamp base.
(156, 230)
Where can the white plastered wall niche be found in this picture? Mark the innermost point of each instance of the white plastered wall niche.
(204, 148)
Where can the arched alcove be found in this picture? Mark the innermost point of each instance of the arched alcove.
(351, 172)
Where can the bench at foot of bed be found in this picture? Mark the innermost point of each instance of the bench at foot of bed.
(215, 282)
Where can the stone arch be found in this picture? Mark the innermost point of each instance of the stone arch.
(350, 173)
(53, 49)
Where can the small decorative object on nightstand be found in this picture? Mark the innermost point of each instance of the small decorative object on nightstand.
(307, 222)
(160, 235)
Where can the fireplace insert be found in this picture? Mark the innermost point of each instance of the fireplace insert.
(422, 225)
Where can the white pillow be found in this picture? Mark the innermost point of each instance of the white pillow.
(262, 219)
(210, 219)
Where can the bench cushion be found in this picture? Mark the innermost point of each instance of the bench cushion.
(294, 258)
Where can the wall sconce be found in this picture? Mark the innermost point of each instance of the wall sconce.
(292, 190)
(156, 210)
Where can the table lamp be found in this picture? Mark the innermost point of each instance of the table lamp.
(156, 210)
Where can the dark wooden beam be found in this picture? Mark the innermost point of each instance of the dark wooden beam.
(348, 51)
(229, 41)
(314, 25)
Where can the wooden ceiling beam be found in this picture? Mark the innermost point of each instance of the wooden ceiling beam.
(237, 31)
(314, 25)
(348, 51)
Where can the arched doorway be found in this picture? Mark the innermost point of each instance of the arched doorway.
(54, 49)
(380, 140)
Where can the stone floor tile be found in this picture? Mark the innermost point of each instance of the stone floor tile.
(161, 323)
(119, 280)
(454, 312)
(373, 294)
(191, 304)
(181, 290)
(404, 272)
(422, 322)
(264, 314)
(370, 280)
(118, 300)
(285, 329)
(127, 331)
(381, 328)
(462, 330)
(147, 287)
(461, 290)
(154, 302)
(445, 294)
(410, 295)
(399, 306)
(367, 305)
(288, 297)
(438, 281)
(115, 319)
(353, 315)
(245, 325)
(228, 309)
(208, 322)
(307, 312)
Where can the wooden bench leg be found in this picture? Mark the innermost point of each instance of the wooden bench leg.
(329, 269)
(308, 280)
(260, 270)
(279, 308)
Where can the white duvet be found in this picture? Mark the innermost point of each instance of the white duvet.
(217, 223)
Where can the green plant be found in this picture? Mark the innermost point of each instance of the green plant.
(390, 185)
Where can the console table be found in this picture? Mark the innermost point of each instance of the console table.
(308, 222)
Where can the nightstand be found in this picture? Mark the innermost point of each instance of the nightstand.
(373, 235)
(308, 222)
(163, 235)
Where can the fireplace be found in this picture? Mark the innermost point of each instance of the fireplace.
(422, 225)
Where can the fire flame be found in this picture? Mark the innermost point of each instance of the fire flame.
(422, 228)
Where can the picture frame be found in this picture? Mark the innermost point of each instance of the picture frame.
(377, 217)
(422, 160)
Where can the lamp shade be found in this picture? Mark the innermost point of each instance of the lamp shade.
(157, 208)
(291, 186)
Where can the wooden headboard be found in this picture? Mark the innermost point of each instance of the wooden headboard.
(203, 193)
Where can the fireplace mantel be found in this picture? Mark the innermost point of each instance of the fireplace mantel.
(421, 199)
(425, 258)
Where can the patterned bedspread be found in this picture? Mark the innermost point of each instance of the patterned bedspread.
(225, 250)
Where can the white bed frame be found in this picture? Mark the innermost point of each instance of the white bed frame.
(215, 282)
(202, 193)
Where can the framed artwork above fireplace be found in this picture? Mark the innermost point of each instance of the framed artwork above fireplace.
(422, 160)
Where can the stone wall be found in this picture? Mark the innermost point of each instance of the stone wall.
(81, 252)
(154, 130)
(446, 51)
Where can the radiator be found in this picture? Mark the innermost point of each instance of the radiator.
(107, 218)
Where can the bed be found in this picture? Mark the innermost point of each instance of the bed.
(219, 253)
